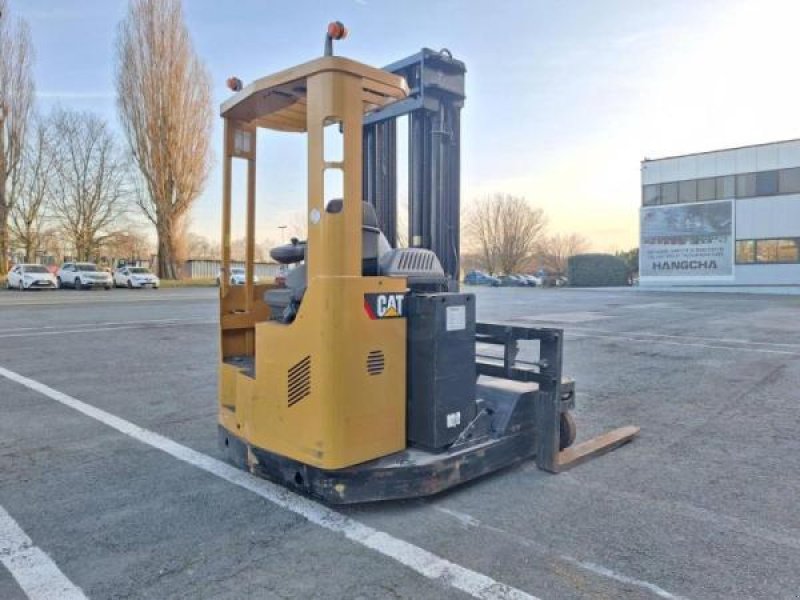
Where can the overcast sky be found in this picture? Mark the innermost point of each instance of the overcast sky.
(564, 97)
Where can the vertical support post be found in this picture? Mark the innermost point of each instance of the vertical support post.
(453, 182)
(226, 209)
(334, 239)
(251, 231)
(380, 174)
(547, 410)
(510, 351)
(419, 179)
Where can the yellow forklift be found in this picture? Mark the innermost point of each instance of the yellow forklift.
(357, 379)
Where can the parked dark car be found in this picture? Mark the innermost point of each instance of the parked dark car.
(481, 278)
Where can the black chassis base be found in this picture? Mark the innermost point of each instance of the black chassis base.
(500, 436)
(412, 473)
(520, 413)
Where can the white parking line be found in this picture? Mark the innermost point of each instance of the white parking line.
(60, 299)
(425, 563)
(96, 324)
(581, 335)
(606, 572)
(690, 337)
(91, 329)
(468, 520)
(35, 572)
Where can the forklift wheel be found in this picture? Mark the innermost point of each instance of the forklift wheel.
(567, 430)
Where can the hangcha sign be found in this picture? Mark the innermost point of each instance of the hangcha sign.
(691, 241)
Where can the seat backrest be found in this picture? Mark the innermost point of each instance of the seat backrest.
(373, 242)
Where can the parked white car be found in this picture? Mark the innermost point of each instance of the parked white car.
(30, 277)
(533, 280)
(82, 276)
(238, 276)
(135, 277)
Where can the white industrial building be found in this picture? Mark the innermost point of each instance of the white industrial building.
(727, 217)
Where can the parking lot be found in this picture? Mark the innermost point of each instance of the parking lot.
(704, 504)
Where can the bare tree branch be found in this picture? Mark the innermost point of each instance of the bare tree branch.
(130, 243)
(164, 101)
(504, 231)
(89, 175)
(555, 250)
(16, 101)
(31, 190)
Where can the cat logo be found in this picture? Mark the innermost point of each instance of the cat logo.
(384, 306)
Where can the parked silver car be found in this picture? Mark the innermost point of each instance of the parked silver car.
(81, 276)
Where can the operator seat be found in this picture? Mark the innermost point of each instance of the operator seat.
(420, 266)
(284, 302)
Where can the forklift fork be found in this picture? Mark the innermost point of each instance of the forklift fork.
(552, 400)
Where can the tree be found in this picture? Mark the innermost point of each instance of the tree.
(505, 231)
(31, 191)
(130, 243)
(16, 100)
(239, 247)
(199, 247)
(631, 258)
(164, 101)
(555, 250)
(89, 180)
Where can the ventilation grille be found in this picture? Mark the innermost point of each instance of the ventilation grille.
(416, 261)
(299, 381)
(375, 362)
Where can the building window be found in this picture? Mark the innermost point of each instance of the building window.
(706, 189)
(669, 193)
(788, 251)
(789, 181)
(772, 251)
(746, 185)
(766, 251)
(687, 191)
(726, 187)
(651, 194)
(766, 183)
(745, 252)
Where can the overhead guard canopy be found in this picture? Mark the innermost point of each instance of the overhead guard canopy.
(279, 101)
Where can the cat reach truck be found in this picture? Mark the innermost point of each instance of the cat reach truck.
(359, 380)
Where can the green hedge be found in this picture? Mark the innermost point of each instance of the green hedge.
(597, 270)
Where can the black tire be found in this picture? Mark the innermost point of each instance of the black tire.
(77, 283)
(59, 283)
(130, 285)
(21, 286)
(107, 287)
(567, 430)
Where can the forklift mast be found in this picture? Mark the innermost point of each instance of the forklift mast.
(433, 106)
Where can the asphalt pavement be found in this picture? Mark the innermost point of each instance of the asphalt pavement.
(704, 504)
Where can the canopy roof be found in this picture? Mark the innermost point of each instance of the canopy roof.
(278, 101)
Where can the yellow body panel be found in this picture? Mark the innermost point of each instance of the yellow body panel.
(304, 389)
(349, 415)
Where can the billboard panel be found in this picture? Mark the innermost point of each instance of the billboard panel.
(687, 241)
